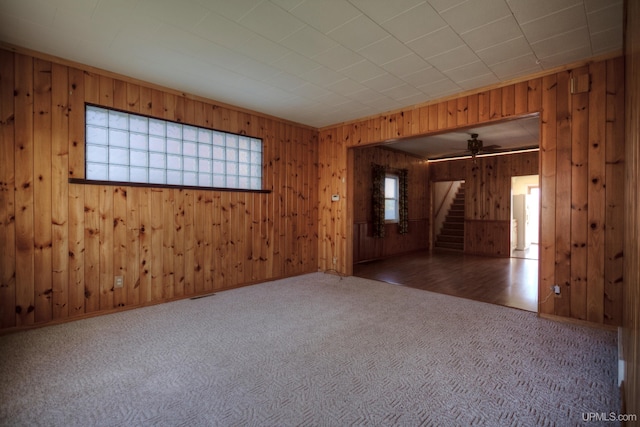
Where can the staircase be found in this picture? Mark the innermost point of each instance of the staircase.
(451, 234)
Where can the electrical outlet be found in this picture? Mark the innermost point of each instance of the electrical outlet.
(556, 289)
(118, 281)
(335, 260)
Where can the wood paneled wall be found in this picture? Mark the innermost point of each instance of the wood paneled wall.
(367, 247)
(487, 197)
(581, 169)
(631, 293)
(62, 244)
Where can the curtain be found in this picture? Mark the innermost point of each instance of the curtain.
(403, 204)
(378, 200)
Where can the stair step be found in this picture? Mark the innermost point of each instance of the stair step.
(450, 239)
(453, 226)
(449, 245)
(452, 231)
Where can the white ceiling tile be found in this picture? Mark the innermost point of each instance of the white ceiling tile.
(562, 43)
(561, 22)
(468, 72)
(454, 58)
(310, 91)
(505, 51)
(436, 43)
(286, 81)
(308, 42)
(399, 92)
(185, 14)
(423, 77)
(385, 104)
(40, 12)
(565, 57)
(338, 57)
(363, 70)
(605, 19)
(417, 97)
(606, 41)
(494, 33)
(296, 64)
(527, 10)
(384, 50)
(443, 5)
(233, 10)
(287, 5)
(384, 82)
(517, 67)
(271, 21)
(415, 23)
(262, 49)
(325, 15)
(382, 10)
(335, 100)
(473, 14)
(405, 65)
(358, 33)
(256, 70)
(346, 86)
(223, 31)
(440, 88)
(594, 5)
(365, 95)
(322, 76)
(479, 81)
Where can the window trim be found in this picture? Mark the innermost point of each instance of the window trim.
(86, 181)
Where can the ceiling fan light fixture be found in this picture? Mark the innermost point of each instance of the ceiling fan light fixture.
(474, 145)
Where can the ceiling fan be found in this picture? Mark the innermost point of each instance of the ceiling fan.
(475, 146)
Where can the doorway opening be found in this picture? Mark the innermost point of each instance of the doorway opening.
(525, 216)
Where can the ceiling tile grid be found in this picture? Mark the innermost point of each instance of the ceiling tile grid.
(341, 59)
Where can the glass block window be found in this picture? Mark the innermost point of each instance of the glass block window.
(126, 147)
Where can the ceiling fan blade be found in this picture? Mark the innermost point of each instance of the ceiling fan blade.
(490, 148)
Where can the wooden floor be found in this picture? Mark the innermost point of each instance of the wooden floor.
(512, 282)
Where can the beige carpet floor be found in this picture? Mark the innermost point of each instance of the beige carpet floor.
(314, 350)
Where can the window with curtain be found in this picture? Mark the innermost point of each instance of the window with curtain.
(389, 200)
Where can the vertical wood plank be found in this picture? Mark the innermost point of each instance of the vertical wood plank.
(615, 179)
(168, 243)
(563, 196)
(76, 123)
(24, 180)
(92, 248)
(76, 250)
(120, 244)
(178, 242)
(145, 232)
(579, 204)
(7, 192)
(596, 191)
(60, 190)
(42, 190)
(76, 193)
(547, 195)
(157, 243)
(132, 277)
(189, 243)
(521, 100)
(105, 255)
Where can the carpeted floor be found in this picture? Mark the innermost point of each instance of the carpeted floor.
(314, 350)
